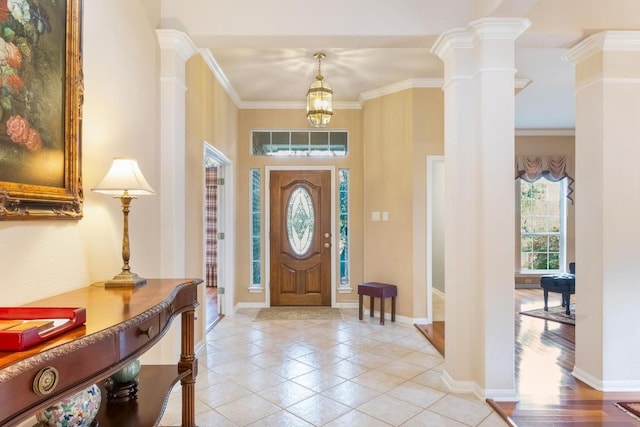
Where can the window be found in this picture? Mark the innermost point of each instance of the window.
(256, 218)
(299, 143)
(343, 182)
(542, 225)
(300, 220)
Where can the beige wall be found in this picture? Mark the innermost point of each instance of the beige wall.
(42, 258)
(389, 141)
(400, 131)
(546, 146)
(211, 117)
(349, 120)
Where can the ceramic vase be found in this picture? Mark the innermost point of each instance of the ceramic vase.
(78, 410)
(128, 373)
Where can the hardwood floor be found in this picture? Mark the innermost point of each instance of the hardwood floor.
(434, 333)
(549, 394)
(211, 303)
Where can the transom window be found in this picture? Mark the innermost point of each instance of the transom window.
(542, 225)
(299, 143)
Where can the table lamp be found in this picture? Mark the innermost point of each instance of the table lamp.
(124, 181)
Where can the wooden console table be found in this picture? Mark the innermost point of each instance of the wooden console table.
(121, 325)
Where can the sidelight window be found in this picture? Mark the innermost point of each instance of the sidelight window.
(256, 218)
(343, 180)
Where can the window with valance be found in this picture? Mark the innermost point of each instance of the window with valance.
(552, 168)
(543, 211)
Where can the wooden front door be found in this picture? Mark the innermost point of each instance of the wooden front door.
(300, 237)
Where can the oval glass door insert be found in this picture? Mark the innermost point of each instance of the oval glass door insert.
(300, 220)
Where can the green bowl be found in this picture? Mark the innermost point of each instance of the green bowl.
(128, 373)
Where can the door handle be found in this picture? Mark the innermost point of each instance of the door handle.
(327, 245)
(327, 235)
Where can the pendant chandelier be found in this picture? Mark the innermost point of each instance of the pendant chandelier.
(319, 98)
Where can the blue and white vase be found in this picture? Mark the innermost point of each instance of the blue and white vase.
(78, 410)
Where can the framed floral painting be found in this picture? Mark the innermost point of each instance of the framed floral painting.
(40, 109)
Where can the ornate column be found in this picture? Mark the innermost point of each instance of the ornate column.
(176, 48)
(480, 205)
(607, 210)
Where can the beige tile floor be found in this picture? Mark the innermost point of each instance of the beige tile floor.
(323, 373)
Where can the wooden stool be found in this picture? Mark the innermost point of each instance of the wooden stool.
(382, 291)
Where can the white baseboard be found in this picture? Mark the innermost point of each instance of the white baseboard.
(502, 395)
(606, 386)
(346, 305)
(474, 388)
(248, 305)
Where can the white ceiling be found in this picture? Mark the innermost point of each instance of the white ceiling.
(265, 49)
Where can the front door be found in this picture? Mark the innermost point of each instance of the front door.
(300, 237)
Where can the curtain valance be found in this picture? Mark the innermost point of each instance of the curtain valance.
(553, 168)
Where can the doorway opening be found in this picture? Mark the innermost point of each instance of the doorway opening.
(215, 248)
(435, 331)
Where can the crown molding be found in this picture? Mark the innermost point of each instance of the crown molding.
(400, 86)
(177, 41)
(498, 28)
(545, 132)
(353, 105)
(292, 105)
(621, 41)
(481, 29)
(182, 43)
(456, 38)
(211, 62)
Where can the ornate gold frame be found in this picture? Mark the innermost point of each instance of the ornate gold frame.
(20, 201)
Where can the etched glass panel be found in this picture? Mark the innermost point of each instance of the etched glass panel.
(256, 229)
(343, 179)
(300, 220)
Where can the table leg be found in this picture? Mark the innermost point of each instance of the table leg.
(393, 309)
(188, 363)
(382, 310)
(360, 306)
(371, 304)
(546, 299)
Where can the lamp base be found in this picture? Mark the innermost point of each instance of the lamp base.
(125, 279)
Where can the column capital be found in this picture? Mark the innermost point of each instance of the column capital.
(177, 41)
(620, 41)
(481, 29)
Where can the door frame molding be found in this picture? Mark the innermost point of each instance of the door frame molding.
(431, 161)
(267, 227)
(226, 225)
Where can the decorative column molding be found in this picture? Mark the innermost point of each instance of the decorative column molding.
(176, 48)
(479, 65)
(607, 128)
(612, 41)
(481, 29)
(177, 41)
